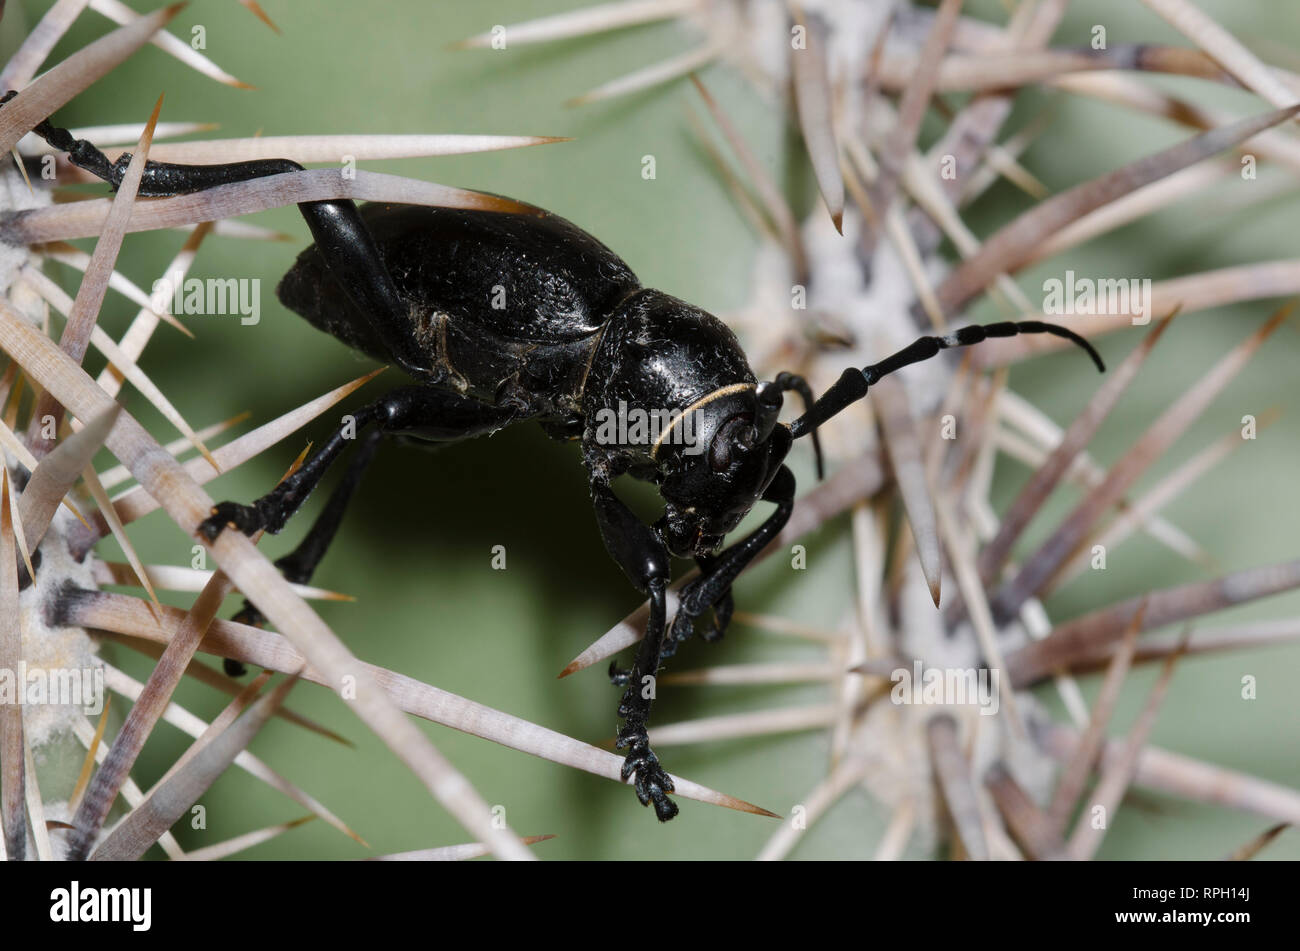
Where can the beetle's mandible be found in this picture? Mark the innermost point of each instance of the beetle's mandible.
(504, 317)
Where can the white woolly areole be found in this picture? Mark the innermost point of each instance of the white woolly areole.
(54, 649)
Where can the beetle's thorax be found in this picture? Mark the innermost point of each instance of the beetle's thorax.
(663, 373)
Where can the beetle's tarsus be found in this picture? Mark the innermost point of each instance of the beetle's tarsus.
(652, 784)
(683, 629)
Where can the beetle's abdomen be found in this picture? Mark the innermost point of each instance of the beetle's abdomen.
(531, 280)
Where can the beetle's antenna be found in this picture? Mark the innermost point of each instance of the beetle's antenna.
(769, 397)
(853, 384)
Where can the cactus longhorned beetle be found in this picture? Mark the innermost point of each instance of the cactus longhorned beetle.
(505, 317)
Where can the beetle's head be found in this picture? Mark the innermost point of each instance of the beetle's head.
(715, 469)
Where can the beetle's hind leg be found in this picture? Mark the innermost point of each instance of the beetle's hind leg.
(422, 411)
(340, 234)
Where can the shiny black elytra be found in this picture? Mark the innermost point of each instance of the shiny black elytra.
(504, 317)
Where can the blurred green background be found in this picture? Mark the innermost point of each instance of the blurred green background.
(416, 548)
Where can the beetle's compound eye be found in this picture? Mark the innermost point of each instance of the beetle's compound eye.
(729, 443)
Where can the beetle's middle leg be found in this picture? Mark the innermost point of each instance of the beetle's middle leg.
(299, 565)
(425, 412)
(411, 410)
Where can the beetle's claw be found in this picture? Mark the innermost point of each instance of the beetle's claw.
(619, 676)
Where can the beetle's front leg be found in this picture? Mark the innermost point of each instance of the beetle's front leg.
(639, 551)
(652, 783)
(712, 589)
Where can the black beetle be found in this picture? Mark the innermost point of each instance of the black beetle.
(504, 317)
